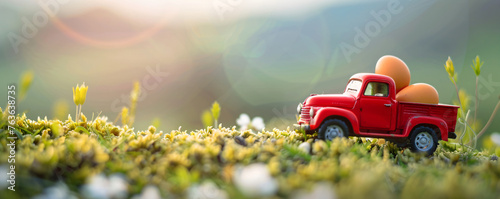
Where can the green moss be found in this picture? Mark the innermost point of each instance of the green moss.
(53, 150)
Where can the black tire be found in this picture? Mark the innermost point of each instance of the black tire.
(333, 128)
(423, 140)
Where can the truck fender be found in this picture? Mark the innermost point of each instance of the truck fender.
(419, 120)
(326, 112)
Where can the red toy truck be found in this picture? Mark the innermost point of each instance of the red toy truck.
(368, 108)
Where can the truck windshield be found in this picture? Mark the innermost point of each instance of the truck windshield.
(353, 87)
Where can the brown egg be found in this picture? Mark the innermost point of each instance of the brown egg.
(420, 93)
(396, 69)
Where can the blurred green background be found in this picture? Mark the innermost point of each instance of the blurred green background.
(256, 57)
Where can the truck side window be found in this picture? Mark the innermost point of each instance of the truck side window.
(377, 89)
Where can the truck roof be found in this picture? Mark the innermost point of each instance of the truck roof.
(372, 76)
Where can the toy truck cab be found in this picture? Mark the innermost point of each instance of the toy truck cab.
(368, 108)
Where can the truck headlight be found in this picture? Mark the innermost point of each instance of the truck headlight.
(299, 108)
(311, 112)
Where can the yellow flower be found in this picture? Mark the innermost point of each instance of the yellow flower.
(134, 95)
(450, 69)
(476, 65)
(83, 93)
(156, 122)
(125, 116)
(206, 118)
(80, 94)
(26, 80)
(76, 95)
(216, 110)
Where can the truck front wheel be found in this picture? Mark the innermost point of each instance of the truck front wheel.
(333, 128)
(423, 140)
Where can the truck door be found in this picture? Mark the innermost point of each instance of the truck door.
(376, 107)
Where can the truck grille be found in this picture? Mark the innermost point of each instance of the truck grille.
(304, 114)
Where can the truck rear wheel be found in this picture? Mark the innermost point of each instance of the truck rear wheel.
(423, 140)
(333, 128)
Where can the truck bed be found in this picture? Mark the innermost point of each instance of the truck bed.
(444, 111)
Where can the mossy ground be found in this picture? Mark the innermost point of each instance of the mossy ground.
(52, 151)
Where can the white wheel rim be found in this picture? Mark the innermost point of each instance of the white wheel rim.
(333, 131)
(424, 141)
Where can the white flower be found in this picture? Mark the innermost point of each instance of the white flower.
(4, 169)
(323, 190)
(99, 186)
(243, 121)
(305, 147)
(255, 180)
(257, 123)
(59, 191)
(118, 186)
(149, 192)
(207, 190)
(495, 137)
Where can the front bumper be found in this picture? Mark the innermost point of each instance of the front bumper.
(452, 135)
(301, 127)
